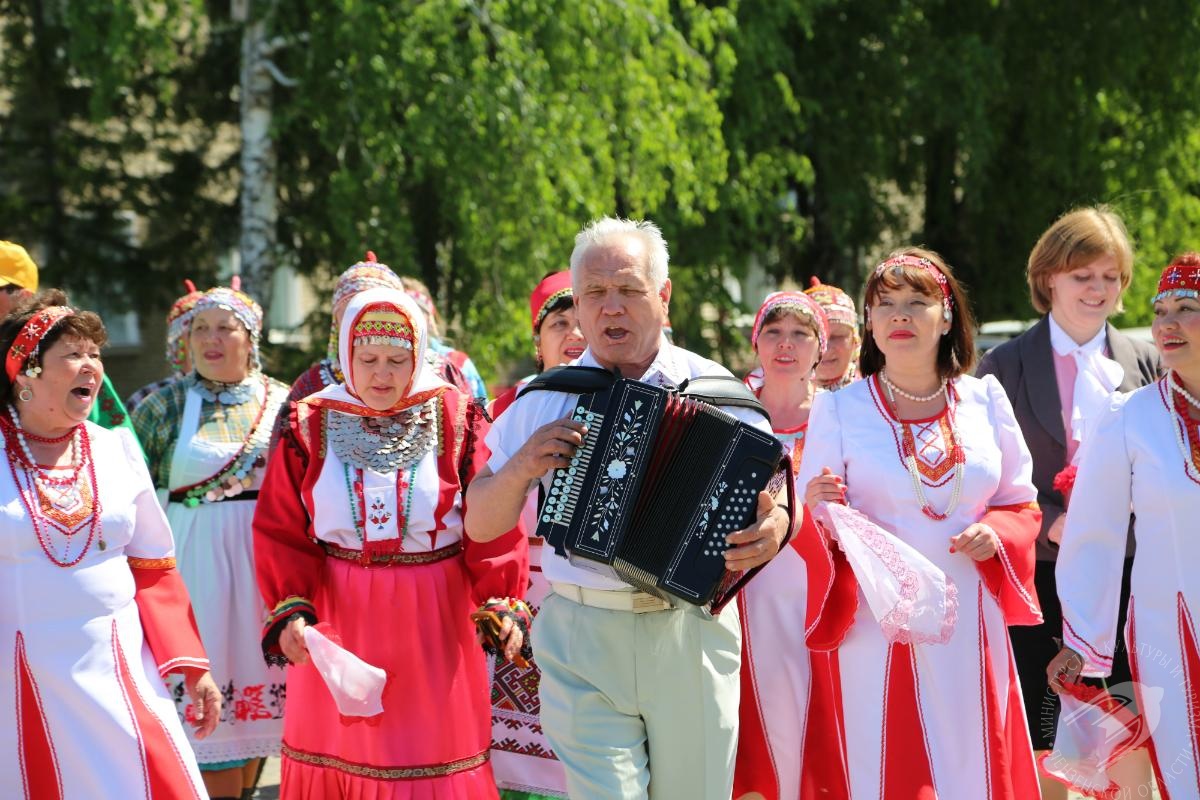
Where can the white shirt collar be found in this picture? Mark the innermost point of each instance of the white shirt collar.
(668, 369)
(1064, 345)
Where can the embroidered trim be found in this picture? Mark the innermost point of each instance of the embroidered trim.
(402, 559)
(387, 773)
(285, 608)
(896, 623)
(150, 563)
(1088, 650)
(1016, 584)
(182, 662)
(1030, 506)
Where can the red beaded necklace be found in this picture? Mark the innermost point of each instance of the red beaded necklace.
(39, 506)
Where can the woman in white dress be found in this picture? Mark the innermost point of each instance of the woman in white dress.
(935, 457)
(206, 437)
(1144, 455)
(91, 606)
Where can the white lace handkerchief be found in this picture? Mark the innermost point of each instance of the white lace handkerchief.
(913, 601)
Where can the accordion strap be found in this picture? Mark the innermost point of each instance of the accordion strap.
(716, 390)
(722, 390)
(572, 380)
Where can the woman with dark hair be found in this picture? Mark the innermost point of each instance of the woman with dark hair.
(1058, 375)
(933, 458)
(1144, 457)
(93, 613)
(207, 438)
(522, 759)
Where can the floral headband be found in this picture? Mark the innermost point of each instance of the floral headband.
(25, 346)
(1181, 278)
(551, 289)
(839, 306)
(939, 277)
(798, 303)
(384, 324)
(178, 320)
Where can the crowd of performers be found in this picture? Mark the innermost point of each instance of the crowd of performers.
(206, 575)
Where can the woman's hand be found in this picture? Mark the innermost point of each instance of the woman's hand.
(512, 637)
(291, 641)
(206, 701)
(978, 541)
(1064, 668)
(827, 487)
(1055, 531)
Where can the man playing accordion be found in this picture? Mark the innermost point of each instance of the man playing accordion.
(624, 673)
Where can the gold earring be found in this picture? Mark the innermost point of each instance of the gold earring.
(25, 395)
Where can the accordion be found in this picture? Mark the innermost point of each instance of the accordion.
(659, 482)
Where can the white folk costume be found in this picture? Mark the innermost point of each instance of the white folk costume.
(933, 720)
(207, 444)
(522, 758)
(1144, 454)
(360, 528)
(778, 723)
(92, 613)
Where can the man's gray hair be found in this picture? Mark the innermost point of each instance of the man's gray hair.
(600, 231)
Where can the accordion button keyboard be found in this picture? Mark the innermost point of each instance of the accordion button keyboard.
(566, 483)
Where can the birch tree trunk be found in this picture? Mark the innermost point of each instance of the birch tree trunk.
(259, 198)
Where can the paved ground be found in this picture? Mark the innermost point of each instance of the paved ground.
(268, 785)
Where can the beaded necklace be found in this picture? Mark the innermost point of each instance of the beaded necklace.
(906, 447)
(74, 502)
(361, 515)
(239, 473)
(1187, 430)
(226, 394)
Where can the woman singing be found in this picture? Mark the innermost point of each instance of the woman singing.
(92, 611)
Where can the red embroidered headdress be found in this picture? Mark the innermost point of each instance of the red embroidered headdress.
(1181, 278)
(31, 335)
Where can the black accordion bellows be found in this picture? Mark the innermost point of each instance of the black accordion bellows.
(660, 480)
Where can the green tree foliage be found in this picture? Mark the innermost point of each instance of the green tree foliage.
(112, 163)
(467, 141)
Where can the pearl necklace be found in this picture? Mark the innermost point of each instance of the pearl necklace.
(909, 457)
(893, 389)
